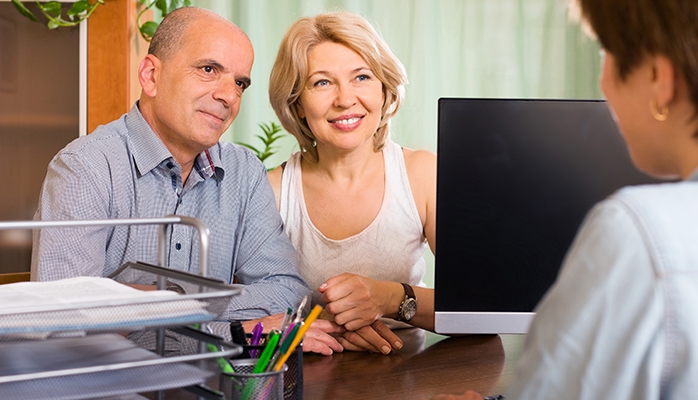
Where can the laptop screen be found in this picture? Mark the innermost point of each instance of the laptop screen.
(515, 180)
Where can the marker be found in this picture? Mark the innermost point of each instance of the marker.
(238, 334)
(272, 341)
(256, 337)
(299, 336)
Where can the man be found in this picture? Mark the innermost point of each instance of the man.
(163, 157)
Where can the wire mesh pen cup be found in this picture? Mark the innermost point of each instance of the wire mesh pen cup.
(293, 375)
(245, 385)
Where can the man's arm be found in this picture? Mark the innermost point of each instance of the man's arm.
(266, 262)
(71, 191)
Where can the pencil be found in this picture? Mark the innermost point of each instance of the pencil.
(299, 336)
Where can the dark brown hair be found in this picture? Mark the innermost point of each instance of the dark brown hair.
(633, 29)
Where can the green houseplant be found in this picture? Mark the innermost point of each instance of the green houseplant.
(82, 9)
(271, 133)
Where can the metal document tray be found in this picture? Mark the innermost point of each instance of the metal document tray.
(206, 300)
(97, 366)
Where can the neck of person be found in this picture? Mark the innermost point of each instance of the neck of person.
(345, 165)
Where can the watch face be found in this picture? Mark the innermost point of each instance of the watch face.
(409, 309)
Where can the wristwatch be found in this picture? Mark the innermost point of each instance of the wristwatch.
(408, 307)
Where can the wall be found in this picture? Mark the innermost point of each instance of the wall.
(38, 116)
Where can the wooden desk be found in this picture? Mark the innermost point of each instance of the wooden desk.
(429, 364)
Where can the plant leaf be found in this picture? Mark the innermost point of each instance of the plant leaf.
(52, 8)
(148, 29)
(24, 10)
(78, 8)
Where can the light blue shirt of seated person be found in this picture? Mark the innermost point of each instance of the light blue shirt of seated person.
(621, 321)
(122, 170)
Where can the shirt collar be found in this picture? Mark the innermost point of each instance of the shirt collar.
(149, 151)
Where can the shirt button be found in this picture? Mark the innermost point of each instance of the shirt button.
(178, 246)
(170, 165)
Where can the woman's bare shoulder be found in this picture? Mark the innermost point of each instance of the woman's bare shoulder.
(274, 177)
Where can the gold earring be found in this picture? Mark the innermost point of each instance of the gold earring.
(660, 116)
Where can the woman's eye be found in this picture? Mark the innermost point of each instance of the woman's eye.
(322, 82)
(363, 78)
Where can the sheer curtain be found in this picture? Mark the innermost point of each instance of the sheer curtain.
(450, 48)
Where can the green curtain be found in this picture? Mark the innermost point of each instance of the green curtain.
(450, 48)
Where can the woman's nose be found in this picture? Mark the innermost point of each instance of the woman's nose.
(345, 96)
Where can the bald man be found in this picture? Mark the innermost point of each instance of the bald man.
(164, 158)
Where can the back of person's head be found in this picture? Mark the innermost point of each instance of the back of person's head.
(633, 29)
(290, 71)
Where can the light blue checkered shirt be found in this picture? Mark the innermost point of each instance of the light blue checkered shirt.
(123, 170)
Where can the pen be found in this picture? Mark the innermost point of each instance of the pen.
(256, 337)
(286, 320)
(285, 344)
(299, 336)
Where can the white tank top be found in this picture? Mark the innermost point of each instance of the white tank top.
(391, 247)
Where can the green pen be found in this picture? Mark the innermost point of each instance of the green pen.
(272, 341)
(284, 347)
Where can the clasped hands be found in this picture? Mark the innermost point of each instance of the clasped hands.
(351, 320)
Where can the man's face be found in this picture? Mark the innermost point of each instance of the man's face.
(198, 89)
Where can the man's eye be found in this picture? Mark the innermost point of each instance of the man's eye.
(241, 84)
(208, 69)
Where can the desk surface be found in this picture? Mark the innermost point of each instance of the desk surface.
(428, 364)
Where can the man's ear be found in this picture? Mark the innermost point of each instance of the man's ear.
(148, 74)
(664, 80)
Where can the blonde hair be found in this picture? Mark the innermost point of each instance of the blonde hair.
(290, 71)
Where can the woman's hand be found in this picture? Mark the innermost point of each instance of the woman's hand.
(376, 338)
(357, 301)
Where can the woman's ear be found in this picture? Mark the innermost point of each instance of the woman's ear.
(148, 73)
(299, 109)
(664, 80)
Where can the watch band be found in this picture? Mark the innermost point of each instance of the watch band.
(410, 300)
(409, 293)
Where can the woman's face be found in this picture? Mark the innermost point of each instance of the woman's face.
(342, 98)
(629, 100)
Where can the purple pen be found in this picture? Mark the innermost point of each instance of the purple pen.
(256, 337)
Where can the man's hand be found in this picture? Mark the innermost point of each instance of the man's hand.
(319, 338)
(376, 338)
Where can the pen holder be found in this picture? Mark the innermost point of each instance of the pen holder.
(293, 377)
(245, 385)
